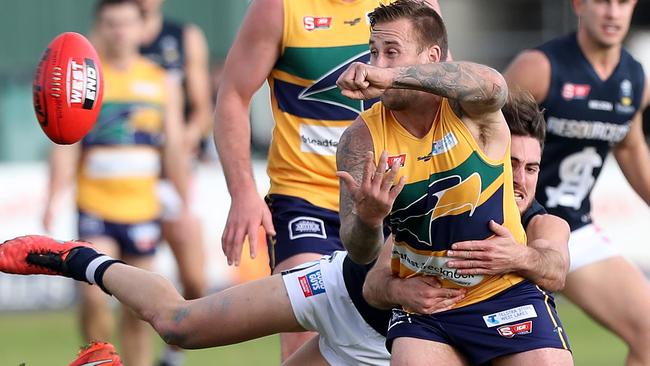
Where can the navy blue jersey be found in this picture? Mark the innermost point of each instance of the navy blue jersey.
(585, 117)
(168, 49)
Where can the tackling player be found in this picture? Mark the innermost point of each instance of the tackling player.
(593, 93)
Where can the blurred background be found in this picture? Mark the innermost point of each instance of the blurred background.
(37, 313)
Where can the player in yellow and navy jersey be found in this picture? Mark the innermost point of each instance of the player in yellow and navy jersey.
(300, 47)
(442, 122)
(118, 166)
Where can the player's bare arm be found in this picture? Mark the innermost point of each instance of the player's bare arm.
(63, 162)
(175, 156)
(476, 88)
(544, 260)
(420, 294)
(367, 193)
(632, 153)
(245, 70)
(531, 71)
(198, 85)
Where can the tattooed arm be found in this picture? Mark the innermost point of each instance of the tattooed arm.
(474, 90)
(366, 195)
(477, 89)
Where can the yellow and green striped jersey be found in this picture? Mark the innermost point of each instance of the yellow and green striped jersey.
(120, 161)
(452, 191)
(320, 39)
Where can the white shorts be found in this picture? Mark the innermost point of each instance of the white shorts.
(588, 245)
(321, 303)
(170, 201)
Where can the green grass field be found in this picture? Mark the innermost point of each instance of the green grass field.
(51, 338)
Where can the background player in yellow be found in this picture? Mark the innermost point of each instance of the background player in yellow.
(440, 125)
(593, 93)
(300, 47)
(117, 166)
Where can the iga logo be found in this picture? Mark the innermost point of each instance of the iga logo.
(312, 284)
(310, 23)
(83, 82)
(510, 331)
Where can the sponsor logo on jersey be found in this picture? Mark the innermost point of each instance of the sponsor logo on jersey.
(600, 105)
(400, 159)
(433, 266)
(311, 23)
(304, 226)
(83, 82)
(352, 22)
(312, 283)
(320, 140)
(510, 331)
(572, 91)
(624, 105)
(441, 146)
(510, 315)
(590, 130)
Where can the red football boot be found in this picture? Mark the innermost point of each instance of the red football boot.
(97, 354)
(36, 254)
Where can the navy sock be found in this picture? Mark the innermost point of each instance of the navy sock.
(85, 264)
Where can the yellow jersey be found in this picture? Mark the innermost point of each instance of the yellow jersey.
(320, 39)
(121, 157)
(452, 191)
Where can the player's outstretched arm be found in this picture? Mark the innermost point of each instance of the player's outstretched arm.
(234, 315)
(477, 89)
(545, 260)
(368, 190)
(176, 156)
(198, 85)
(63, 162)
(420, 294)
(249, 62)
(632, 153)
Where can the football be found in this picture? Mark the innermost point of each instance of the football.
(67, 88)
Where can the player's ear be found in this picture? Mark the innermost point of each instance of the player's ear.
(434, 53)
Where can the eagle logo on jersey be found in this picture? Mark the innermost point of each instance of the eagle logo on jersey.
(324, 90)
(446, 196)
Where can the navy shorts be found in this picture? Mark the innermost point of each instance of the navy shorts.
(301, 227)
(139, 239)
(519, 319)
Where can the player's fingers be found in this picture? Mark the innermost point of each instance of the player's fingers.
(353, 94)
(500, 230)
(252, 240)
(396, 189)
(360, 77)
(348, 180)
(389, 178)
(431, 281)
(236, 246)
(267, 223)
(369, 170)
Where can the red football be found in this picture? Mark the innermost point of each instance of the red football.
(68, 88)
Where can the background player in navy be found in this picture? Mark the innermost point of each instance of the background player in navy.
(182, 50)
(593, 93)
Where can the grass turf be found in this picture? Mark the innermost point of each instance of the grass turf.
(51, 338)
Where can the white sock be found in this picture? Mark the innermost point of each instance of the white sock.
(174, 356)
